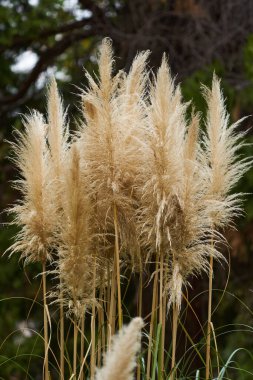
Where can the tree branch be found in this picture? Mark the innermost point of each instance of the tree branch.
(46, 58)
(19, 41)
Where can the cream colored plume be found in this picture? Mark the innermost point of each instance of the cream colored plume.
(77, 263)
(57, 129)
(35, 213)
(174, 214)
(223, 164)
(161, 174)
(120, 361)
(110, 140)
(190, 230)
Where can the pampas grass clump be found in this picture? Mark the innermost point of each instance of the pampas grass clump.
(138, 183)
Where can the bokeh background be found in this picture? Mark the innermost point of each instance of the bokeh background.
(41, 38)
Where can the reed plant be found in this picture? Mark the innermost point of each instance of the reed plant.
(139, 186)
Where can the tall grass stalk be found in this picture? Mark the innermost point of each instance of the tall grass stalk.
(82, 346)
(93, 343)
(62, 341)
(57, 140)
(209, 320)
(75, 341)
(117, 263)
(156, 349)
(139, 312)
(46, 341)
(111, 304)
(103, 315)
(153, 320)
(161, 316)
(224, 168)
(93, 331)
(99, 345)
(175, 313)
(101, 327)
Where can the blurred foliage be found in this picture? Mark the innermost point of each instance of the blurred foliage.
(40, 28)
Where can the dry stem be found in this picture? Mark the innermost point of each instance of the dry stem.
(82, 346)
(62, 340)
(152, 322)
(174, 340)
(139, 314)
(209, 319)
(161, 319)
(111, 304)
(93, 330)
(93, 344)
(75, 350)
(100, 326)
(103, 321)
(117, 266)
(46, 371)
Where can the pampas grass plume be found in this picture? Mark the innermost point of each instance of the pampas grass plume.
(120, 361)
(35, 213)
(76, 264)
(57, 129)
(223, 164)
(110, 138)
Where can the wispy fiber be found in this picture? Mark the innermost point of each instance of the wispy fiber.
(163, 155)
(58, 145)
(175, 214)
(190, 230)
(224, 166)
(120, 361)
(35, 213)
(113, 114)
(77, 263)
(57, 131)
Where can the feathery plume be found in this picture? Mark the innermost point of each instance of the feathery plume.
(223, 165)
(110, 142)
(35, 213)
(160, 179)
(77, 263)
(191, 231)
(222, 169)
(58, 146)
(163, 154)
(174, 214)
(57, 129)
(120, 360)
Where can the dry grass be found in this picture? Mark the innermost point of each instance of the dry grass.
(120, 360)
(138, 183)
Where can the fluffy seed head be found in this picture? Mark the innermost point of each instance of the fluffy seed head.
(35, 213)
(77, 264)
(110, 139)
(120, 361)
(224, 167)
